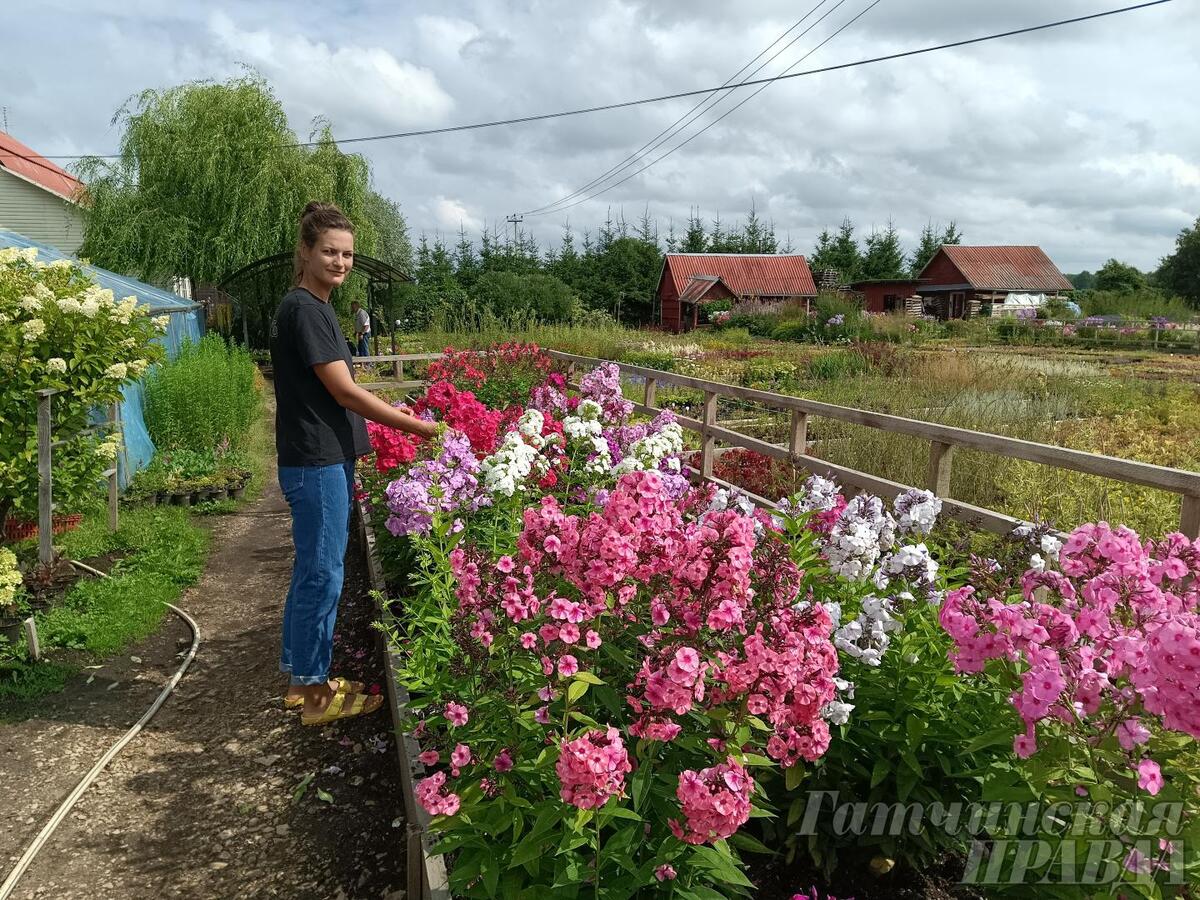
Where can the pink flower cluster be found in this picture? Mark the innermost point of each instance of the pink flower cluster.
(431, 797)
(1117, 629)
(715, 802)
(592, 768)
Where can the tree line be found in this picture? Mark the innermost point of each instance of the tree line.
(211, 177)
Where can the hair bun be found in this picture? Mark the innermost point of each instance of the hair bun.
(316, 206)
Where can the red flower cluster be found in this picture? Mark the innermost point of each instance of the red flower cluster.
(463, 412)
(500, 376)
(393, 447)
(758, 474)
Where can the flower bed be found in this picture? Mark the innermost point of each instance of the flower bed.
(622, 682)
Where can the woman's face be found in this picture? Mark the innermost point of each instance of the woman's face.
(330, 259)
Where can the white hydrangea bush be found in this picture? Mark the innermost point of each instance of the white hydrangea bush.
(61, 331)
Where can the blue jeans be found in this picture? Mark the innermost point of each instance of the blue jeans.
(320, 498)
(362, 349)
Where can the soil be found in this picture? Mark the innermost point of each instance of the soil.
(855, 881)
(205, 802)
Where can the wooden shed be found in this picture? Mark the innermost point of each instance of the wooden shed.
(886, 295)
(959, 281)
(689, 279)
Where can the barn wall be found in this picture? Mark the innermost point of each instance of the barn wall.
(941, 270)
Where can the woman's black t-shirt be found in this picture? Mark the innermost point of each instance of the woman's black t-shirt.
(311, 428)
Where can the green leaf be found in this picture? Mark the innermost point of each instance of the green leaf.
(301, 788)
(324, 796)
(587, 678)
(793, 776)
(576, 690)
(881, 771)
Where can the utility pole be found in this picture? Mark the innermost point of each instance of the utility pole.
(515, 220)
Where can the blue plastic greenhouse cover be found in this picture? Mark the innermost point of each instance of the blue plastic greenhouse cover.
(185, 325)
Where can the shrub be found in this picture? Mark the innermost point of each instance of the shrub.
(61, 331)
(542, 296)
(206, 398)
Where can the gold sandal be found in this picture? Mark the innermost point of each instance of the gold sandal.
(359, 705)
(344, 687)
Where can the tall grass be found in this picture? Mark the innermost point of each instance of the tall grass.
(206, 398)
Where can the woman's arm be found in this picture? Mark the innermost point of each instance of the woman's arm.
(336, 378)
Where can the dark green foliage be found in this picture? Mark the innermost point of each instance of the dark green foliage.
(931, 239)
(1180, 271)
(838, 252)
(1118, 276)
(543, 297)
(1085, 280)
(883, 257)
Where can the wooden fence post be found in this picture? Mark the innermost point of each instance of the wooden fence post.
(45, 480)
(708, 442)
(940, 457)
(114, 484)
(651, 385)
(1189, 516)
(798, 444)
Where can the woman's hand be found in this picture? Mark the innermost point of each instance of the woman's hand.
(340, 384)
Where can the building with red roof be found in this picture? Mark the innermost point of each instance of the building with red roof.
(691, 279)
(959, 281)
(39, 199)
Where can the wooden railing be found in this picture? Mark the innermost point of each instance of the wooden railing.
(943, 440)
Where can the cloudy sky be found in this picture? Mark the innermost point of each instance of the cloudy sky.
(1083, 139)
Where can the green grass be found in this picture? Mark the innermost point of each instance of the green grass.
(165, 552)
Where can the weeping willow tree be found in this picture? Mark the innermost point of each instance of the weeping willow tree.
(209, 178)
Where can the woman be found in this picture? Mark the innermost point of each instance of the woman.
(319, 432)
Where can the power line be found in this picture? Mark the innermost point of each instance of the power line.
(710, 99)
(727, 112)
(520, 120)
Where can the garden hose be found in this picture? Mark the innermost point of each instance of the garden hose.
(44, 836)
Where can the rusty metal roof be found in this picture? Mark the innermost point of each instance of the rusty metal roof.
(697, 287)
(1006, 268)
(745, 274)
(24, 162)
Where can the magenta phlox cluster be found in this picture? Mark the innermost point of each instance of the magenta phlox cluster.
(715, 802)
(448, 483)
(603, 384)
(786, 671)
(592, 768)
(1116, 629)
(551, 397)
(434, 799)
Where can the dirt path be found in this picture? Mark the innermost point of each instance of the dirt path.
(202, 804)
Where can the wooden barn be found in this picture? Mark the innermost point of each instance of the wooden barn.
(689, 279)
(960, 281)
(886, 295)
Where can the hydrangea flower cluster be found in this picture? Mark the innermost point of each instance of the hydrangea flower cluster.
(715, 802)
(447, 484)
(592, 768)
(1111, 637)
